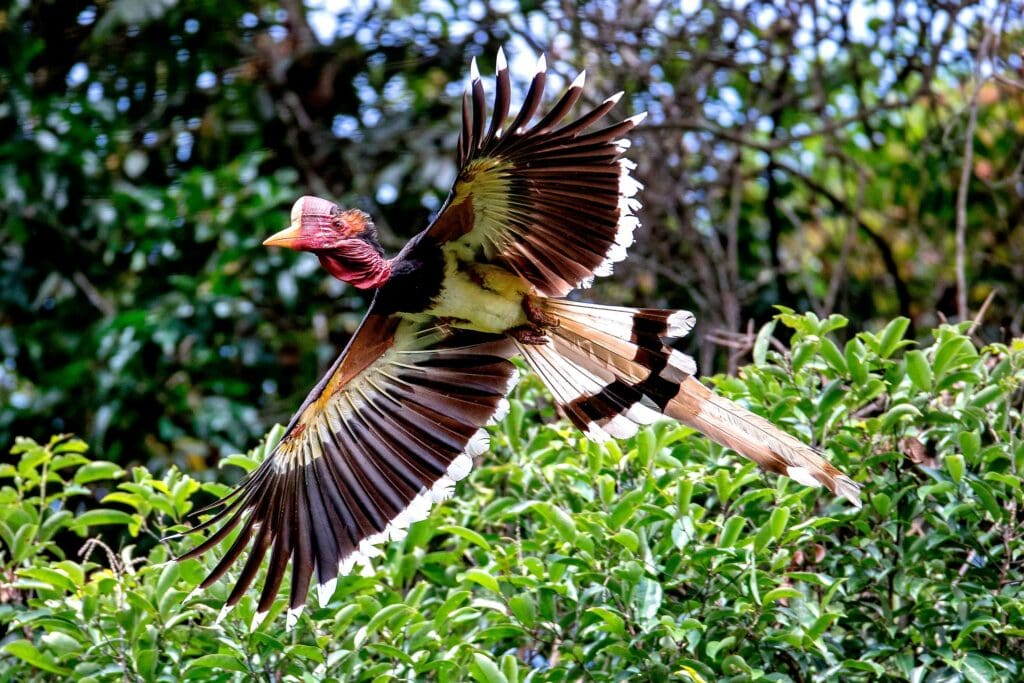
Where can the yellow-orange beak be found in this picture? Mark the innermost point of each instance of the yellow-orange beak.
(289, 238)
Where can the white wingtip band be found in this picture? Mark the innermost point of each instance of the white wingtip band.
(293, 617)
(325, 591)
(474, 71)
(258, 619)
(501, 63)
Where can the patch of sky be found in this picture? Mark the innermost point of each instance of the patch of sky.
(370, 116)
(387, 194)
(206, 80)
(77, 74)
(183, 141)
(87, 16)
(277, 33)
(345, 126)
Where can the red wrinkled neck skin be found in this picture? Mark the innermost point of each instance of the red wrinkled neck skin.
(360, 265)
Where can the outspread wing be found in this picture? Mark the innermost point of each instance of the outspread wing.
(550, 201)
(396, 421)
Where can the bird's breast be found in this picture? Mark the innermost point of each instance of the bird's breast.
(480, 297)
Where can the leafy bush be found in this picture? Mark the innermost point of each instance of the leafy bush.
(660, 558)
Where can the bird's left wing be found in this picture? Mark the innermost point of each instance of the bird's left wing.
(552, 201)
(390, 428)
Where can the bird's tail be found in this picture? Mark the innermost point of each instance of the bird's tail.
(610, 371)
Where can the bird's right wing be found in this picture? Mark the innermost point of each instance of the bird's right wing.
(390, 428)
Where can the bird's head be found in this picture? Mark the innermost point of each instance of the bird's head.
(345, 241)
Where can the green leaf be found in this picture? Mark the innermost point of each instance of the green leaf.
(976, 668)
(99, 518)
(987, 499)
(30, 654)
(524, 609)
(731, 531)
(902, 412)
(918, 369)
(217, 661)
(627, 539)
(646, 598)
(559, 518)
(891, 337)
(761, 342)
(98, 470)
(309, 652)
(954, 463)
(468, 534)
(613, 622)
(385, 614)
(781, 593)
(778, 520)
(481, 577)
(57, 579)
(830, 352)
(484, 670)
(970, 444)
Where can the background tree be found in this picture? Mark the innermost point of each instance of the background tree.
(829, 156)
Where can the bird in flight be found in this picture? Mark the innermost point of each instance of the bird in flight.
(537, 210)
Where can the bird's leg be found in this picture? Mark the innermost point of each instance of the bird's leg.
(534, 331)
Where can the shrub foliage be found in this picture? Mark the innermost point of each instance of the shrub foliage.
(662, 558)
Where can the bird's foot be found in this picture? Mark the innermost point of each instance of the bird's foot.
(537, 316)
(528, 334)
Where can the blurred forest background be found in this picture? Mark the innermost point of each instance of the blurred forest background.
(856, 157)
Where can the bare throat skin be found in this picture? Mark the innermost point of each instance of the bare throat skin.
(480, 297)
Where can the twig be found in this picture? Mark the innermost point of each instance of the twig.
(981, 313)
(93, 294)
(965, 178)
(838, 275)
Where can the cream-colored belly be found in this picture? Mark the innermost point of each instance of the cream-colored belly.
(480, 297)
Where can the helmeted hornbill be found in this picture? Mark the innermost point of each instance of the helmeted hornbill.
(537, 210)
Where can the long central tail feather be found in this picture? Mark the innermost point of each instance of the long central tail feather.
(610, 371)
